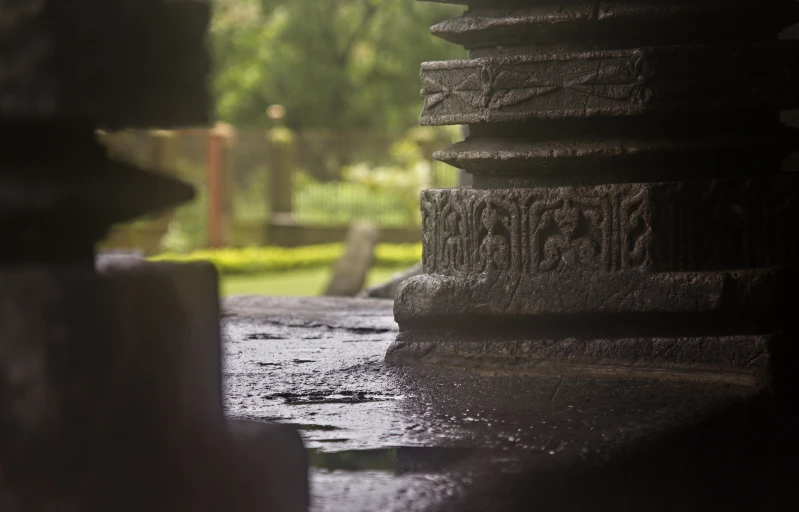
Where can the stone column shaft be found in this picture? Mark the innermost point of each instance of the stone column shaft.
(629, 212)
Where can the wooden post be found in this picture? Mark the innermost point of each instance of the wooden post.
(162, 157)
(280, 143)
(221, 184)
(215, 237)
(228, 190)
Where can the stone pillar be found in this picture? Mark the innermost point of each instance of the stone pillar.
(629, 213)
(110, 370)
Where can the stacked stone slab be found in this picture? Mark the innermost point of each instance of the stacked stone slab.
(629, 213)
(110, 371)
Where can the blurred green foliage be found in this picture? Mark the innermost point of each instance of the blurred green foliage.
(189, 226)
(409, 171)
(260, 260)
(344, 64)
(385, 192)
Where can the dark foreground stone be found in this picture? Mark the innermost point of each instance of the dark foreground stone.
(110, 389)
(440, 438)
(112, 399)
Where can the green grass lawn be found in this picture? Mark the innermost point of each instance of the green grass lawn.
(295, 283)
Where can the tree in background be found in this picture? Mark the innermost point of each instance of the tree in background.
(334, 64)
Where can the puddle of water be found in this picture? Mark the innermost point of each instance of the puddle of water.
(343, 397)
(309, 400)
(396, 460)
(331, 397)
(265, 336)
(310, 427)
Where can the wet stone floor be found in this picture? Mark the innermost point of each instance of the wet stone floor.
(382, 438)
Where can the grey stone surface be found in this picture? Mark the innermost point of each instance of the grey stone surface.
(349, 272)
(436, 438)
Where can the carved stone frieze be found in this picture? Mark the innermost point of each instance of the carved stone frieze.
(609, 83)
(673, 226)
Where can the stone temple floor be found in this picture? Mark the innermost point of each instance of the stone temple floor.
(383, 438)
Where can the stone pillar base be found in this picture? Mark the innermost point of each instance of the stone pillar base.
(692, 278)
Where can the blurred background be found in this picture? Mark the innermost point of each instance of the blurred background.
(317, 103)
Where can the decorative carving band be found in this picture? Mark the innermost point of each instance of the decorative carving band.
(610, 83)
(675, 226)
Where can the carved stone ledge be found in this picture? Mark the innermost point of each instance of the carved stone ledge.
(522, 297)
(637, 23)
(686, 157)
(738, 359)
